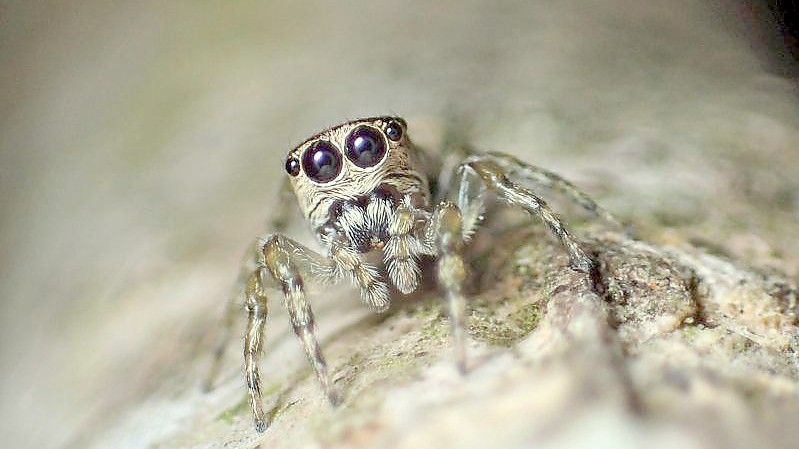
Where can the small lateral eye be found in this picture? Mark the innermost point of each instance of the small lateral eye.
(365, 146)
(394, 131)
(321, 162)
(292, 166)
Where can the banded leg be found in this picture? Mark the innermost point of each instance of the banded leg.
(232, 310)
(402, 248)
(286, 262)
(446, 226)
(469, 195)
(256, 305)
(552, 181)
(347, 261)
(280, 259)
(279, 222)
(494, 178)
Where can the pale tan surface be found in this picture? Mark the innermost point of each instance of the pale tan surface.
(141, 147)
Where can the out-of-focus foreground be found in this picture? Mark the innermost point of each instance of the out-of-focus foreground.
(141, 148)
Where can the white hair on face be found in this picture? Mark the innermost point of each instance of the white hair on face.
(397, 169)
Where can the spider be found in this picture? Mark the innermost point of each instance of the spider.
(366, 190)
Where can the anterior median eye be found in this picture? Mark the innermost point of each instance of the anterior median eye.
(365, 146)
(321, 162)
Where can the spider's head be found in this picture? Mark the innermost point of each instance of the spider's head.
(351, 160)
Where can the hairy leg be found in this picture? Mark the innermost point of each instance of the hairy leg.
(288, 262)
(257, 307)
(403, 247)
(494, 178)
(446, 228)
(468, 192)
(251, 263)
(279, 222)
(285, 262)
(342, 262)
(545, 178)
(348, 262)
(281, 257)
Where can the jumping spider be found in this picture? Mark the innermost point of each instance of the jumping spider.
(365, 189)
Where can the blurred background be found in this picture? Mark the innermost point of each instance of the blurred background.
(141, 147)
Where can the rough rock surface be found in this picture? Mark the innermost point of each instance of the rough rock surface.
(143, 144)
(667, 346)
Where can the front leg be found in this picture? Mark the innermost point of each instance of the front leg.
(480, 172)
(243, 289)
(288, 263)
(446, 231)
(514, 167)
(403, 247)
(281, 258)
(256, 304)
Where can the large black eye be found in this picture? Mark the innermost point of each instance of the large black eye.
(365, 146)
(321, 162)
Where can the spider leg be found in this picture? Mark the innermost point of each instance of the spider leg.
(493, 177)
(545, 178)
(256, 305)
(469, 194)
(402, 249)
(347, 261)
(296, 261)
(284, 259)
(232, 310)
(279, 222)
(289, 263)
(445, 228)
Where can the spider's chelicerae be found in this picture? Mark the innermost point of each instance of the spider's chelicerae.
(365, 189)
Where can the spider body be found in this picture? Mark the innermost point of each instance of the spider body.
(365, 190)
